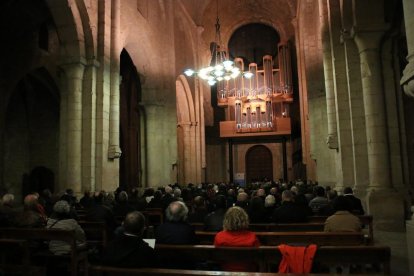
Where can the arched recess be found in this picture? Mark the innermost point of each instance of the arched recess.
(186, 138)
(259, 163)
(31, 134)
(130, 175)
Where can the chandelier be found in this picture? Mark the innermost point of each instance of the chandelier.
(220, 68)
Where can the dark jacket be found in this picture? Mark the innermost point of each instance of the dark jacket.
(129, 251)
(175, 233)
(214, 220)
(355, 204)
(289, 212)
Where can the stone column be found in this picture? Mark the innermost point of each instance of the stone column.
(373, 97)
(89, 125)
(380, 195)
(187, 151)
(332, 139)
(74, 74)
(114, 150)
(407, 81)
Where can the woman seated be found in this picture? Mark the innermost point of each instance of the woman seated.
(61, 219)
(236, 233)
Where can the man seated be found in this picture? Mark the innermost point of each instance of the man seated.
(214, 220)
(128, 249)
(32, 215)
(319, 202)
(289, 212)
(7, 210)
(355, 203)
(342, 220)
(176, 230)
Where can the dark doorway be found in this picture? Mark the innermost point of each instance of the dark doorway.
(130, 163)
(31, 135)
(259, 164)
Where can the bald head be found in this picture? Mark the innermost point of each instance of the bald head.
(30, 202)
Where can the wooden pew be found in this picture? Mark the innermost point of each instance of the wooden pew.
(268, 257)
(15, 259)
(276, 238)
(115, 271)
(277, 227)
(315, 224)
(76, 256)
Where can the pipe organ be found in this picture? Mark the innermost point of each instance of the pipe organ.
(260, 103)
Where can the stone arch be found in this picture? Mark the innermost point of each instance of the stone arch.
(72, 24)
(31, 135)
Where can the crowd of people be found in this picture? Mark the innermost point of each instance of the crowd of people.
(224, 208)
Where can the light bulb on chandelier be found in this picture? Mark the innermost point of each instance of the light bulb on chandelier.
(221, 68)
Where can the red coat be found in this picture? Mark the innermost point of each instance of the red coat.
(296, 259)
(237, 239)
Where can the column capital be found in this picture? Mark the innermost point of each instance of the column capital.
(407, 80)
(367, 39)
(114, 151)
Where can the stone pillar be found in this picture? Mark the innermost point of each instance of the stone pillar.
(373, 96)
(380, 195)
(73, 177)
(89, 125)
(187, 151)
(332, 139)
(114, 151)
(407, 81)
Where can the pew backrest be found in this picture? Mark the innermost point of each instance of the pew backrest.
(267, 256)
(297, 238)
(42, 234)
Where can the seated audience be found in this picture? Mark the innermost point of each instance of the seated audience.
(270, 206)
(236, 233)
(122, 207)
(199, 210)
(168, 197)
(7, 210)
(156, 201)
(128, 249)
(87, 200)
(32, 215)
(289, 212)
(329, 210)
(257, 210)
(101, 212)
(355, 203)
(176, 230)
(242, 200)
(342, 220)
(214, 220)
(61, 219)
(318, 202)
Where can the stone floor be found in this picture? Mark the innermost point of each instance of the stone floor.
(399, 256)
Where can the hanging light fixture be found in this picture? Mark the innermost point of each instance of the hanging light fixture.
(220, 67)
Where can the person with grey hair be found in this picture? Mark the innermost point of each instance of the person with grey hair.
(7, 210)
(129, 249)
(176, 230)
(61, 219)
(289, 211)
(122, 206)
